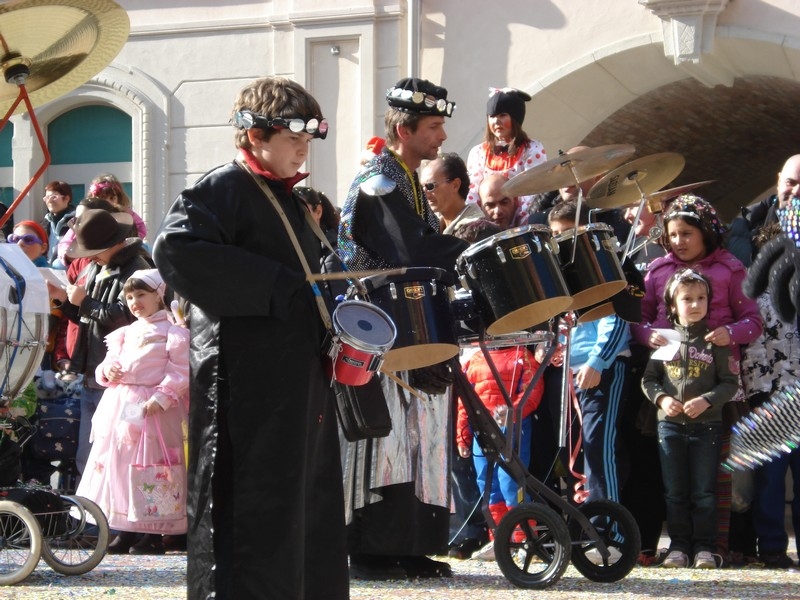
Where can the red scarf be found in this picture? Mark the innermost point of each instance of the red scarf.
(253, 163)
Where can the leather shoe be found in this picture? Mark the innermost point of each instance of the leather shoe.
(151, 543)
(122, 543)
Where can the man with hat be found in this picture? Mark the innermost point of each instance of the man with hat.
(98, 307)
(387, 223)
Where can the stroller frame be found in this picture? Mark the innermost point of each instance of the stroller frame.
(535, 541)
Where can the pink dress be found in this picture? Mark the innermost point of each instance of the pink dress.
(154, 354)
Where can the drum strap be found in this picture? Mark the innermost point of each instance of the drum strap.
(323, 309)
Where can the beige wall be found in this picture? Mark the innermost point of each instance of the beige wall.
(581, 60)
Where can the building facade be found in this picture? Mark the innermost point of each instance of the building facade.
(717, 80)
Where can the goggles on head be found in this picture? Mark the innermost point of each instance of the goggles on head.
(316, 126)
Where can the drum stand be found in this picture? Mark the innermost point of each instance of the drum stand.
(499, 447)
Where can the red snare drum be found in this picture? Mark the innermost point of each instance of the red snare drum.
(596, 273)
(362, 335)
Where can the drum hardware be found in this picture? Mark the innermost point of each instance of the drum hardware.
(633, 182)
(656, 231)
(51, 49)
(567, 169)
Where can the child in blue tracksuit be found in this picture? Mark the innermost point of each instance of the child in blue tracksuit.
(599, 360)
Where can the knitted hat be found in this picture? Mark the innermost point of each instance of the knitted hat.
(507, 100)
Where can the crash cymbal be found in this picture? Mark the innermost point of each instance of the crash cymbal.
(656, 200)
(626, 184)
(54, 46)
(558, 172)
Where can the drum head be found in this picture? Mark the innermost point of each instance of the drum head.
(593, 313)
(530, 315)
(364, 325)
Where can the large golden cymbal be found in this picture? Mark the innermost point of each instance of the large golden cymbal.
(54, 46)
(625, 185)
(562, 170)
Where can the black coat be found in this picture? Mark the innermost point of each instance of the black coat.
(264, 466)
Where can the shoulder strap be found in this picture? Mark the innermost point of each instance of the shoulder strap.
(323, 309)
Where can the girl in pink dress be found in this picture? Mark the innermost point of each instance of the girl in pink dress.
(146, 371)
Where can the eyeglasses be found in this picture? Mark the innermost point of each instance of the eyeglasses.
(48, 196)
(245, 119)
(27, 239)
(431, 185)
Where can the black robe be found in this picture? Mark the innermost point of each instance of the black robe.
(266, 514)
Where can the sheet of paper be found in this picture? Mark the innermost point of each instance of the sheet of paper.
(56, 277)
(670, 349)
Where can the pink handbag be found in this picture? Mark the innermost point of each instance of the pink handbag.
(157, 490)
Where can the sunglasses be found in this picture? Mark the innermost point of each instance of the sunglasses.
(431, 185)
(27, 239)
(245, 119)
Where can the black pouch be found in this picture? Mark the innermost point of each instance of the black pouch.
(362, 410)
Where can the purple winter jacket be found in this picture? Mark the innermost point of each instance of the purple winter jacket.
(729, 306)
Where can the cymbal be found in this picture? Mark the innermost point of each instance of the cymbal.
(54, 46)
(622, 185)
(558, 172)
(656, 199)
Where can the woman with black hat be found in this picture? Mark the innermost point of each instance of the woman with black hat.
(506, 149)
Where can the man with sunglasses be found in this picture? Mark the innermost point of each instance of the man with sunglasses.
(265, 504)
(387, 223)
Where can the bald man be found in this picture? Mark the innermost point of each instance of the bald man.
(501, 209)
(742, 228)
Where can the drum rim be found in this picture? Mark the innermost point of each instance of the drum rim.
(503, 235)
(411, 274)
(340, 334)
(564, 235)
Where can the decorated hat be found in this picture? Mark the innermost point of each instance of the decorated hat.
(98, 230)
(507, 100)
(420, 96)
(695, 211)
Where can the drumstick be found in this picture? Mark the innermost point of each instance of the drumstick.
(402, 384)
(354, 274)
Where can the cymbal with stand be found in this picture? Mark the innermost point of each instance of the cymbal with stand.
(49, 49)
(634, 180)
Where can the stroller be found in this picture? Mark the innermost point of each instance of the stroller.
(70, 533)
(535, 541)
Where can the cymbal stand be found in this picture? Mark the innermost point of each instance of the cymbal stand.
(633, 176)
(18, 74)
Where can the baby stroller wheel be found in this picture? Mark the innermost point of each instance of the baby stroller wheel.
(531, 546)
(20, 542)
(618, 531)
(81, 548)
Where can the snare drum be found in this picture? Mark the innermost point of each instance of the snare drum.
(515, 279)
(418, 301)
(362, 333)
(596, 274)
